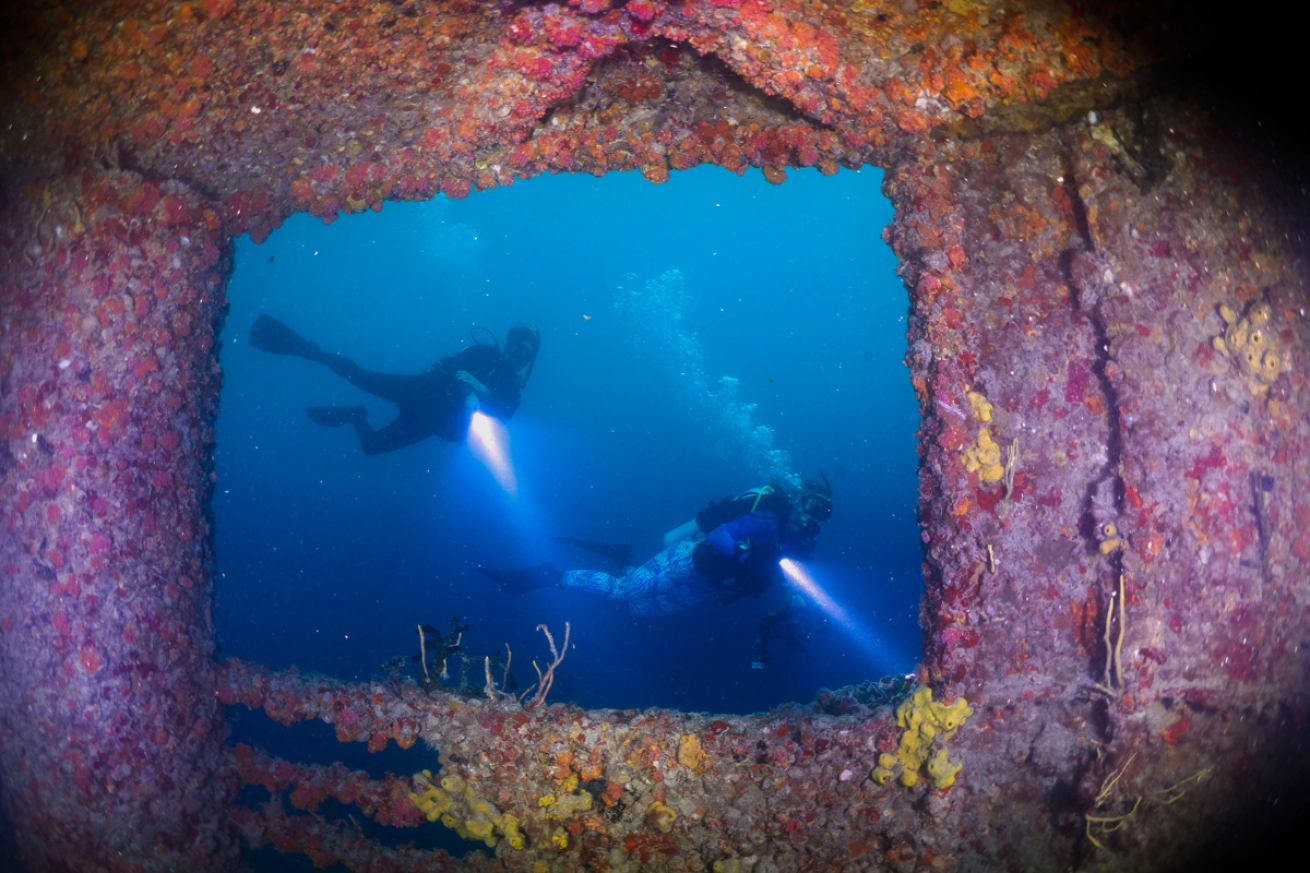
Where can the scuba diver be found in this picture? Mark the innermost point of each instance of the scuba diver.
(440, 401)
(730, 550)
(794, 622)
(437, 650)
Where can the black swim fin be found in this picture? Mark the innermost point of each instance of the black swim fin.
(621, 555)
(518, 582)
(270, 335)
(335, 416)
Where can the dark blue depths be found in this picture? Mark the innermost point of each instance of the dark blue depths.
(696, 336)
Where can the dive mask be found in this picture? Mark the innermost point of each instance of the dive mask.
(816, 506)
(522, 344)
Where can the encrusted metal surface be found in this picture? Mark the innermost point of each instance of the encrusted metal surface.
(1108, 342)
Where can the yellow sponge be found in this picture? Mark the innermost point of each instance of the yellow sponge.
(926, 725)
(1250, 343)
(984, 456)
(981, 406)
(941, 771)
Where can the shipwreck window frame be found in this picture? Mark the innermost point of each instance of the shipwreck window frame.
(876, 282)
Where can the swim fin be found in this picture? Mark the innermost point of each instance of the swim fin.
(518, 582)
(270, 335)
(335, 416)
(621, 555)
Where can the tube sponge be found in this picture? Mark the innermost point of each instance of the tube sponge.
(449, 802)
(886, 769)
(941, 771)
(982, 407)
(984, 456)
(567, 805)
(431, 800)
(926, 726)
(1250, 343)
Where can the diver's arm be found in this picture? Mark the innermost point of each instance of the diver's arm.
(724, 541)
(502, 397)
(474, 385)
(736, 536)
(476, 359)
(476, 391)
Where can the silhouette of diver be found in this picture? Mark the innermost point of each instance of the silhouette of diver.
(437, 402)
(794, 621)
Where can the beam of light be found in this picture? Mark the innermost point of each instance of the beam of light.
(801, 578)
(489, 442)
(864, 636)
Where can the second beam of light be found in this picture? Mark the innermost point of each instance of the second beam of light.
(869, 641)
(801, 578)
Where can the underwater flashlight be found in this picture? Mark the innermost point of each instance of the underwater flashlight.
(489, 443)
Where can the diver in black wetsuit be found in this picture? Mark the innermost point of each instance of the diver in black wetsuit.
(794, 622)
(437, 402)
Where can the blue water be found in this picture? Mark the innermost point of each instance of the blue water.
(646, 297)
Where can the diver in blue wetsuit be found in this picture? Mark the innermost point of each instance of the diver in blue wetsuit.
(437, 402)
(731, 550)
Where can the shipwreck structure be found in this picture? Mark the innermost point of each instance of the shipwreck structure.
(1109, 343)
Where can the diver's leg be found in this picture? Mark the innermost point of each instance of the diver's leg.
(519, 582)
(664, 584)
(270, 335)
(760, 654)
(670, 582)
(594, 581)
(335, 416)
(403, 431)
(397, 388)
(667, 569)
